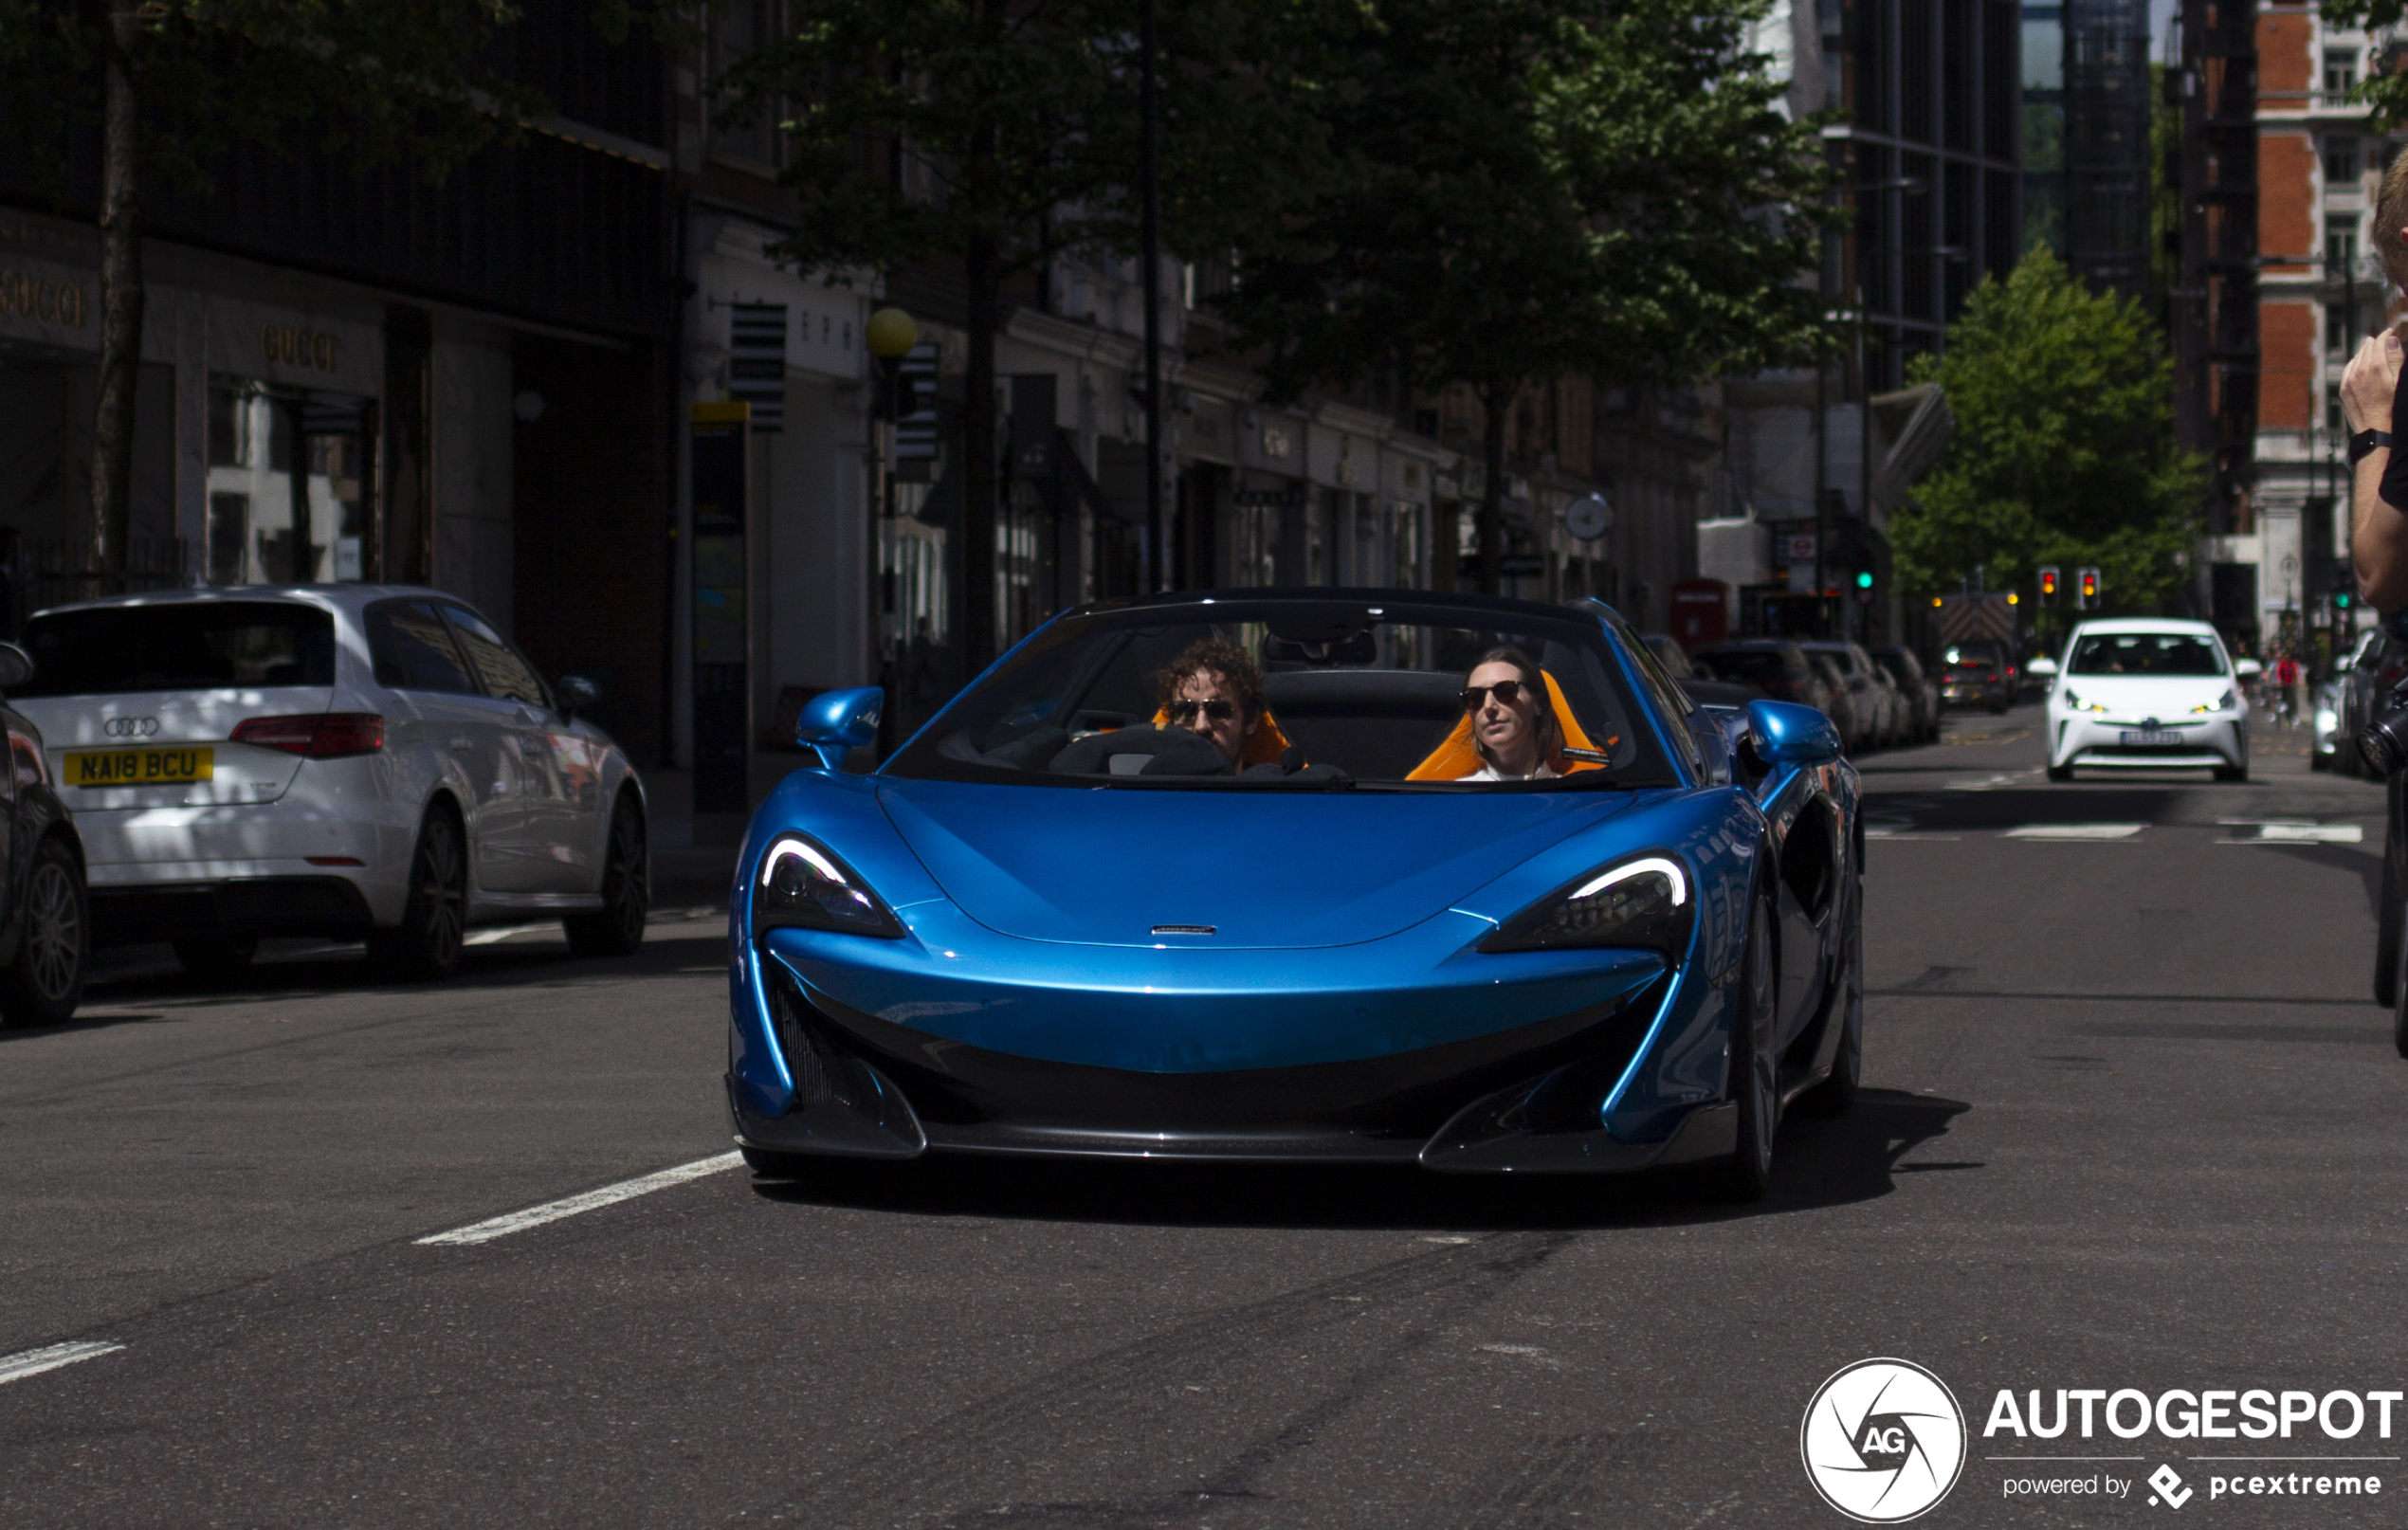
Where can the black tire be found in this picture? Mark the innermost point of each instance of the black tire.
(2232, 772)
(1755, 1067)
(1837, 1091)
(617, 930)
(54, 943)
(2388, 919)
(2399, 1012)
(216, 956)
(2060, 772)
(426, 946)
(1999, 708)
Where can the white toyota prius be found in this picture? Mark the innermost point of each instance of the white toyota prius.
(357, 761)
(2147, 693)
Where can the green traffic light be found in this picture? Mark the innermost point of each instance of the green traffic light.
(2342, 601)
(1865, 580)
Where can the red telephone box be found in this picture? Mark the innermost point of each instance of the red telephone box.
(1701, 613)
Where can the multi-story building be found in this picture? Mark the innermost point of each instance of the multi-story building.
(2278, 557)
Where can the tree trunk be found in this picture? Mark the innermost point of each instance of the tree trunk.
(980, 272)
(1495, 399)
(120, 301)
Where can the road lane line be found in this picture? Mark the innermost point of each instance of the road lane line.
(2087, 831)
(534, 1216)
(35, 1361)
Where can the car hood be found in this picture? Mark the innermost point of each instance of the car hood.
(1104, 866)
(2165, 696)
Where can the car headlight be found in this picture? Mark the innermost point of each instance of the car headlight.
(2223, 703)
(2076, 704)
(801, 886)
(1642, 901)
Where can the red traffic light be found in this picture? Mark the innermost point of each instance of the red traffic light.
(2049, 584)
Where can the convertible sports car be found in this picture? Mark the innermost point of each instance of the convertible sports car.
(1082, 914)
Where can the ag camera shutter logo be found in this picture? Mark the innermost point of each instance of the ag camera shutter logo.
(1882, 1441)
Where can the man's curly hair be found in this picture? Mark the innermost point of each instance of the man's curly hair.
(1239, 674)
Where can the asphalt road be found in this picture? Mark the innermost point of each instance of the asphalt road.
(2131, 1120)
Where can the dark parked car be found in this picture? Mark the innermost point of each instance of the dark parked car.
(1977, 672)
(1850, 710)
(1704, 688)
(1774, 666)
(45, 910)
(2366, 678)
(1921, 691)
(1881, 712)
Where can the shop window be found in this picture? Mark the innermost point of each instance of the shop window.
(287, 484)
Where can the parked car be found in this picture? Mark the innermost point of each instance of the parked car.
(1850, 712)
(45, 917)
(1702, 688)
(2374, 666)
(1773, 665)
(2324, 744)
(345, 761)
(1878, 704)
(1921, 691)
(1977, 672)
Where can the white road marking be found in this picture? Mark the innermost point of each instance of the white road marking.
(2308, 835)
(504, 931)
(35, 1361)
(2089, 831)
(534, 1216)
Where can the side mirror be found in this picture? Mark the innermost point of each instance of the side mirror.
(574, 693)
(2246, 669)
(1784, 733)
(2043, 666)
(16, 666)
(835, 724)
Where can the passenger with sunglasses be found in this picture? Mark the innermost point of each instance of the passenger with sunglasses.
(1513, 723)
(1213, 689)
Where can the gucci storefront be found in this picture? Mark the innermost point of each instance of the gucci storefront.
(264, 449)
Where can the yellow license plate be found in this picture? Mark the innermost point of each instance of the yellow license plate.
(140, 767)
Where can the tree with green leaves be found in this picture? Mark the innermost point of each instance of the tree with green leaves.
(2064, 450)
(174, 85)
(1526, 189)
(998, 135)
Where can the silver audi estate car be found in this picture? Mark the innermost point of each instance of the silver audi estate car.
(340, 760)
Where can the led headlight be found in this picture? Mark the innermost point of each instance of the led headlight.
(1646, 902)
(802, 886)
(2078, 704)
(2223, 703)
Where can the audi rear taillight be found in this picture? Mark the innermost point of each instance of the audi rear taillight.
(315, 735)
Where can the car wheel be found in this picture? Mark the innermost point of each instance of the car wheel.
(1754, 1072)
(216, 956)
(46, 982)
(1839, 1091)
(2060, 772)
(2232, 772)
(425, 945)
(627, 893)
(1999, 708)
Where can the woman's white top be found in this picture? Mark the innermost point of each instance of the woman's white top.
(1488, 772)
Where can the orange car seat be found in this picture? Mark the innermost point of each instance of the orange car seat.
(1455, 758)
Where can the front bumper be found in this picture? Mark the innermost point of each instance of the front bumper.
(1574, 1062)
(2093, 741)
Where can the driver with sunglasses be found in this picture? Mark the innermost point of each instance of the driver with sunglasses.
(1215, 691)
(1513, 724)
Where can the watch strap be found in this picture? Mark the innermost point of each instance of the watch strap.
(2366, 441)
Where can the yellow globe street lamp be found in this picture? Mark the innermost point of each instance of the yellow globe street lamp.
(892, 333)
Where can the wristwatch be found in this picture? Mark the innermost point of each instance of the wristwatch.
(2366, 441)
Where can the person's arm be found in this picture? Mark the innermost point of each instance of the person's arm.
(2378, 527)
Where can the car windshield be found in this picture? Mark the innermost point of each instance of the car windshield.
(185, 644)
(2147, 653)
(1350, 694)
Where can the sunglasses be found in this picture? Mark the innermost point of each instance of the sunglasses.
(1506, 692)
(1184, 712)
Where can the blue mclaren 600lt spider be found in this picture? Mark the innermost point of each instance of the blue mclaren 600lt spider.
(1325, 875)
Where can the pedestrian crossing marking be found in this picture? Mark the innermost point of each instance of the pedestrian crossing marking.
(2074, 831)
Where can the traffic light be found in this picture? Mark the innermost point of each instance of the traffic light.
(2048, 585)
(1864, 578)
(2340, 598)
(2088, 590)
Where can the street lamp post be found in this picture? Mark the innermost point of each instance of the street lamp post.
(891, 333)
(1150, 241)
(1905, 185)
